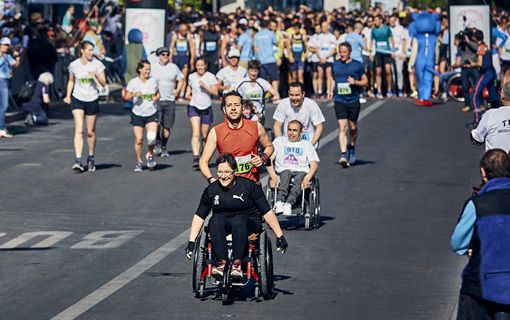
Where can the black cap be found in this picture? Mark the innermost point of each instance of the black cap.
(162, 50)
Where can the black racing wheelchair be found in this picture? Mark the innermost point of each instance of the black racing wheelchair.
(257, 267)
(307, 207)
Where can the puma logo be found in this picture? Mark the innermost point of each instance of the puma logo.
(238, 197)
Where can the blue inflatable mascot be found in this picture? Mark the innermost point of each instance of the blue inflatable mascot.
(424, 29)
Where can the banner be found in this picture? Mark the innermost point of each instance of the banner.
(469, 16)
(152, 24)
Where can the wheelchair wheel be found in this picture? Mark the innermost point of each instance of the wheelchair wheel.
(455, 89)
(266, 266)
(271, 196)
(317, 205)
(199, 265)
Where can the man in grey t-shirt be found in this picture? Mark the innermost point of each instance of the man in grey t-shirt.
(494, 128)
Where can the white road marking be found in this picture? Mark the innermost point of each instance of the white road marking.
(52, 238)
(123, 279)
(155, 257)
(25, 165)
(106, 239)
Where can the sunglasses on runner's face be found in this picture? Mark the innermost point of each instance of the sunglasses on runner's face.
(225, 173)
(164, 54)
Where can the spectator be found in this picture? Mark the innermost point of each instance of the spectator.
(68, 20)
(37, 107)
(94, 36)
(7, 62)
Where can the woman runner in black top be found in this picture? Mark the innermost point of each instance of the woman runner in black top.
(231, 199)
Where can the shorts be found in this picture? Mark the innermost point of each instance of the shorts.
(181, 61)
(206, 116)
(91, 108)
(297, 65)
(140, 121)
(325, 65)
(381, 59)
(269, 71)
(349, 111)
(166, 113)
(314, 66)
(367, 63)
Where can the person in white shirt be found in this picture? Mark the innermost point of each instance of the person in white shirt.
(86, 79)
(367, 62)
(231, 74)
(293, 158)
(201, 86)
(494, 128)
(166, 75)
(298, 107)
(400, 37)
(326, 49)
(254, 89)
(313, 59)
(144, 115)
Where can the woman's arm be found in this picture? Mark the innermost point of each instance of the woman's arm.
(70, 86)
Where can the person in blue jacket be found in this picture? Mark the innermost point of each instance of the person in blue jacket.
(483, 233)
(424, 29)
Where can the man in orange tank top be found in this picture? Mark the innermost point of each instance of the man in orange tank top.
(237, 136)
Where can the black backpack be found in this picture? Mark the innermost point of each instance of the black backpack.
(26, 92)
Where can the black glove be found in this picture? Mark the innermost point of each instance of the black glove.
(190, 248)
(281, 244)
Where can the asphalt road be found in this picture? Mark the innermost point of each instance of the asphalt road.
(110, 244)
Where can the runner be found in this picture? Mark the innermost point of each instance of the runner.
(232, 74)
(86, 79)
(326, 48)
(144, 115)
(201, 86)
(182, 49)
(298, 107)
(382, 44)
(349, 78)
(313, 60)
(228, 41)
(166, 75)
(239, 137)
(264, 43)
(296, 48)
(210, 47)
(254, 89)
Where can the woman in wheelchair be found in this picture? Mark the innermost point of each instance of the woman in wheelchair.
(293, 158)
(232, 200)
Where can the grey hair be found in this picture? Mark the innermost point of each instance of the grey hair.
(505, 91)
(46, 78)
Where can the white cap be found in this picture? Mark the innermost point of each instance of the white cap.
(5, 40)
(243, 21)
(233, 52)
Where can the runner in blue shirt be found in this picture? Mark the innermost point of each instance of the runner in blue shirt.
(263, 47)
(245, 44)
(350, 77)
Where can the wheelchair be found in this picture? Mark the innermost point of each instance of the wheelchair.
(257, 267)
(306, 207)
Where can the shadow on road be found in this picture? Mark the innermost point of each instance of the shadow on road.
(104, 166)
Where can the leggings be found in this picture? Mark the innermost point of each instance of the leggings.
(220, 226)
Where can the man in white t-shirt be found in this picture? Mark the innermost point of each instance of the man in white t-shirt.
(298, 107)
(313, 58)
(400, 37)
(166, 75)
(367, 62)
(326, 45)
(294, 159)
(232, 74)
(494, 128)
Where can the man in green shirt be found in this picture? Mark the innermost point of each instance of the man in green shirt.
(382, 45)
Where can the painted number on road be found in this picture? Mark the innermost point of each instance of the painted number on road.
(94, 240)
(106, 239)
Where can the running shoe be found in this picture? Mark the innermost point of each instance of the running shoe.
(379, 96)
(400, 94)
(5, 134)
(287, 209)
(217, 271)
(351, 154)
(139, 167)
(164, 153)
(389, 94)
(77, 166)
(151, 163)
(236, 273)
(195, 163)
(91, 166)
(278, 206)
(343, 162)
(414, 94)
(29, 121)
(362, 100)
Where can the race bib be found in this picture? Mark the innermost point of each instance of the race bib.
(325, 49)
(297, 47)
(382, 44)
(210, 46)
(254, 96)
(182, 46)
(244, 164)
(305, 136)
(343, 88)
(85, 80)
(147, 96)
(507, 50)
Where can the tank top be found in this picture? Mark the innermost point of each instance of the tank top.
(181, 46)
(211, 45)
(241, 143)
(297, 46)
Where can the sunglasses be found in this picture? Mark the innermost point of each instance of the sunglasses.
(164, 54)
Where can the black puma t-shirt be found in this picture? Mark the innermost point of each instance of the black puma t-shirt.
(244, 197)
